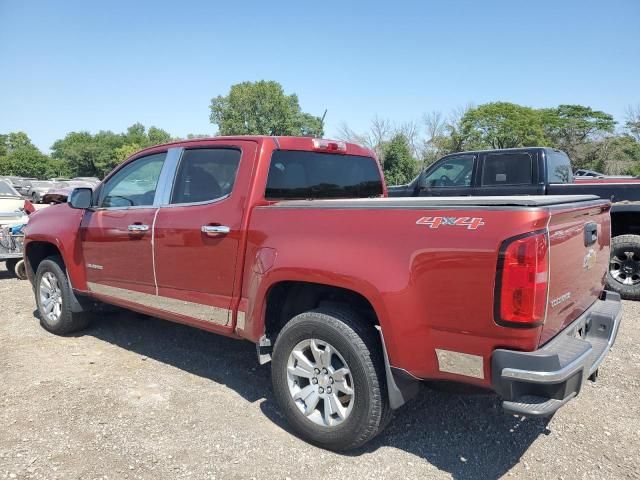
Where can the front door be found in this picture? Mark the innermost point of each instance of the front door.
(198, 233)
(116, 235)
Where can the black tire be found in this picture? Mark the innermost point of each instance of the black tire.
(68, 321)
(359, 345)
(619, 246)
(11, 264)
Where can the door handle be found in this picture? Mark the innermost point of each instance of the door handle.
(138, 228)
(215, 230)
(590, 233)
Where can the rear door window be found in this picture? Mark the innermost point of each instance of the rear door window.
(301, 175)
(507, 169)
(205, 174)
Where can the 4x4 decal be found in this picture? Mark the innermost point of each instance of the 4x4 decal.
(435, 222)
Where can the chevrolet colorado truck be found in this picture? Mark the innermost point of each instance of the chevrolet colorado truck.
(354, 298)
(541, 171)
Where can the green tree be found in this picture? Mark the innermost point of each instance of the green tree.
(96, 155)
(262, 108)
(501, 125)
(399, 166)
(19, 156)
(570, 127)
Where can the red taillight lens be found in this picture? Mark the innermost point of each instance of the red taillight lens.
(28, 207)
(523, 278)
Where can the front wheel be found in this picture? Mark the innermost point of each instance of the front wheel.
(328, 378)
(624, 266)
(53, 297)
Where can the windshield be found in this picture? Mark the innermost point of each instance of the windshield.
(7, 190)
(300, 174)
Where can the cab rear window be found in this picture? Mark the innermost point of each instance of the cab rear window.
(301, 175)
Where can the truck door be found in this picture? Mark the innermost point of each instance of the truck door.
(451, 176)
(198, 232)
(508, 173)
(116, 235)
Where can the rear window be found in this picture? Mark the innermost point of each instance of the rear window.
(507, 169)
(559, 167)
(301, 175)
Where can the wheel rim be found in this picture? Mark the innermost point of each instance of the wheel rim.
(50, 297)
(624, 267)
(320, 382)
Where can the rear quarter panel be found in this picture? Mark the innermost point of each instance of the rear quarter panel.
(430, 287)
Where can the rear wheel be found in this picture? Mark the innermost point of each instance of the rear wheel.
(328, 378)
(53, 297)
(624, 266)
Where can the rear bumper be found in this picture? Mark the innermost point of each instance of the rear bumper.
(538, 383)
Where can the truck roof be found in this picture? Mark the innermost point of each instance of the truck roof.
(280, 143)
(517, 149)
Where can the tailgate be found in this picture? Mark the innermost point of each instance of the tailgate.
(579, 236)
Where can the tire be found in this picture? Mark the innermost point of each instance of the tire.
(625, 254)
(20, 270)
(34, 198)
(10, 264)
(65, 321)
(366, 412)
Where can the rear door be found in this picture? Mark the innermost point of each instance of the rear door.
(508, 173)
(579, 257)
(116, 235)
(198, 232)
(451, 176)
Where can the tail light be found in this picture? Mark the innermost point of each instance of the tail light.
(329, 145)
(28, 207)
(522, 281)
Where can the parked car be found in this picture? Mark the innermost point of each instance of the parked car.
(286, 242)
(91, 180)
(22, 185)
(14, 211)
(13, 207)
(38, 188)
(60, 195)
(541, 171)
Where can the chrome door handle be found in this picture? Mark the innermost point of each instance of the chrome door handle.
(138, 228)
(215, 230)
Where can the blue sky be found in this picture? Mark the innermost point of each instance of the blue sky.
(83, 65)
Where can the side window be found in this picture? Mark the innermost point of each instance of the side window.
(205, 174)
(558, 167)
(134, 185)
(452, 172)
(507, 169)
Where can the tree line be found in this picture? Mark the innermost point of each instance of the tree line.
(592, 138)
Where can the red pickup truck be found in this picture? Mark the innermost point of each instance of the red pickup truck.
(354, 298)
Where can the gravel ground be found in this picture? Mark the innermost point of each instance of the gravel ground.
(135, 397)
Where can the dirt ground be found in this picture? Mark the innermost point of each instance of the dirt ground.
(136, 397)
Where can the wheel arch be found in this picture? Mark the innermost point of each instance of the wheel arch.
(35, 252)
(625, 219)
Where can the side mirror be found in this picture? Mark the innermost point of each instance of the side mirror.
(80, 198)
